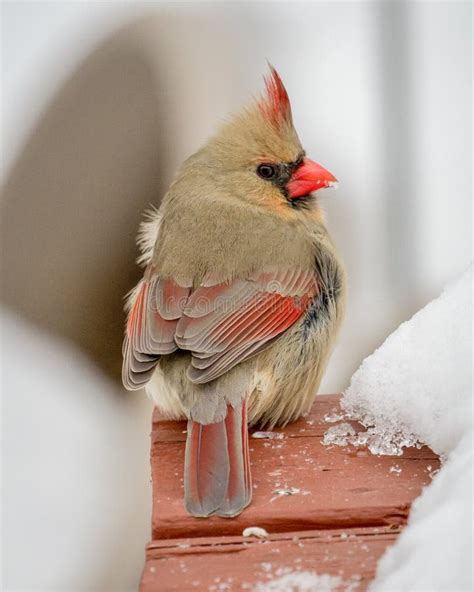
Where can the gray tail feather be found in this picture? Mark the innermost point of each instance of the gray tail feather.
(217, 477)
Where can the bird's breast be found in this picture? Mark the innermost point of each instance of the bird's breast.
(230, 243)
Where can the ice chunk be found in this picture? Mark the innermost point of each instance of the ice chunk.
(287, 491)
(378, 442)
(268, 435)
(255, 531)
(339, 435)
(333, 417)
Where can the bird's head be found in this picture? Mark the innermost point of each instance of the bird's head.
(259, 153)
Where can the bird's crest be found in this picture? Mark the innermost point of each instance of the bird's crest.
(275, 103)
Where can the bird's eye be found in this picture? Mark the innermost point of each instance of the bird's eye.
(266, 171)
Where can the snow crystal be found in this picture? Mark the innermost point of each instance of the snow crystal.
(301, 581)
(287, 491)
(333, 417)
(268, 435)
(378, 443)
(255, 531)
(417, 388)
(339, 435)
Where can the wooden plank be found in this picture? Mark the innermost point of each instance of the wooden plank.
(332, 487)
(235, 563)
(172, 431)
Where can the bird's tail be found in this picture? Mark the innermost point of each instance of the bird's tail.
(217, 477)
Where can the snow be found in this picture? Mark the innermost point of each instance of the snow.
(339, 435)
(303, 581)
(435, 551)
(333, 417)
(417, 388)
(287, 491)
(268, 435)
(255, 531)
(286, 579)
(375, 438)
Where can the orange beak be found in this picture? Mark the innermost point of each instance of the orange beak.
(308, 177)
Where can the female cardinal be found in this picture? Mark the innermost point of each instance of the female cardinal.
(242, 296)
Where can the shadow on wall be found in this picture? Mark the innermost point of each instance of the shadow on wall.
(72, 203)
(100, 155)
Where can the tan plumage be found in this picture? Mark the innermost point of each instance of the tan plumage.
(268, 276)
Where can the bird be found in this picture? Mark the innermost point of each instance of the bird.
(242, 296)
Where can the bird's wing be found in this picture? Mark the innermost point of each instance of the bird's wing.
(221, 324)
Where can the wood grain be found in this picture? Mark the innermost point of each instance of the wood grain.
(338, 487)
(346, 506)
(234, 563)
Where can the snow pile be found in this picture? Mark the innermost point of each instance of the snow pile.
(435, 551)
(417, 388)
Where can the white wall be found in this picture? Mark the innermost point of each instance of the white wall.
(101, 103)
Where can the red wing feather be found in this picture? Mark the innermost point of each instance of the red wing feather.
(221, 325)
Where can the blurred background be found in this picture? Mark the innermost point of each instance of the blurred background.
(101, 101)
